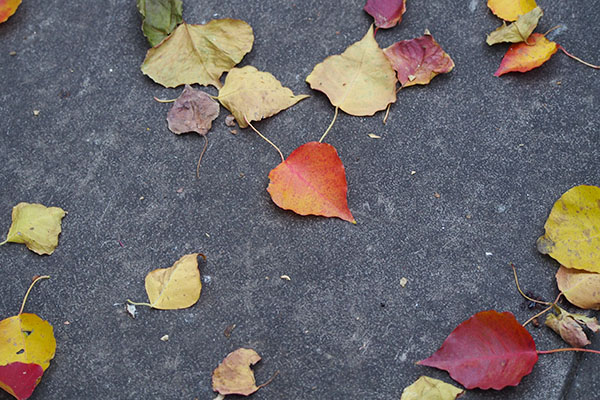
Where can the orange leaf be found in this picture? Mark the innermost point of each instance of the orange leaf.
(510, 10)
(8, 8)
(311, 181)
(528, 55)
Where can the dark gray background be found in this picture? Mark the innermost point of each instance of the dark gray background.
(501, 150)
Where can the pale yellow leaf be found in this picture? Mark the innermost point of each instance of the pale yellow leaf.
(581, 288)
(426, 388)
(175, 287)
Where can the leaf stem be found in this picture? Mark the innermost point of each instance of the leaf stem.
(6, 241)
(387, 112)
(270, 380)
(568, 349)
(39, 278)
(578, 59)
(201, 155)
(265, 139)
(330, 125)
(521, 292)
(164, 100)
(544, 311)
(551, 29)
(139, 304)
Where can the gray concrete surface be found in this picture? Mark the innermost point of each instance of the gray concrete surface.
(500, 150)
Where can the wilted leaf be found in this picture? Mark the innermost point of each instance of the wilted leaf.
(489, 350)
(387, 13)
(234, 376)
(8, 8)
(37, 226)
(360, 81)
(28, 339)
(161, 17)
(193, 111)
(419, 60)
(518, 31)
(199, 53)
(311, 181)
(510, 10)
(525, 56)
(20, 379)
(581, 288)
(426, 388)
(573, 229)
(569, 326)
(255, 94)
(175, 287)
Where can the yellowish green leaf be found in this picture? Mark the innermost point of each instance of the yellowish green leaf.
(509, 10)
(175, 287)
(360, 81)
(581, 288)
(426, 388)
(518, 31)
(570, 326)
(28, 339)
(199, 53)
(234, 375)
(161, 17)
(255, 94)
(37, 226)
(573, 229)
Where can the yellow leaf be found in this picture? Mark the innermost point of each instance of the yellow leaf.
(255, 94)
(581, 288)
(573, 229)
(518, 31)
(28, 339)
(509, 10)
(175, 287)
(37, 226)
(199, 53)
(426, 388)
(234, 376)
(360, 81)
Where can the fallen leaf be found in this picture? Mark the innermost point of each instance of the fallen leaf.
(360, 81)
(525, 56)
(569, 326)
(199, 53)
(489, 350)
(28, 339)
(131, 310)
(509, 10)
(8, 8)
(579, 287)
(426, 388)
(518, 31)
(234, 376)
(193, 111)
(230, 120)
(387, 13)
(418, 61)
(255, 94)
(573, 229)
(161, 17)
(20, 379)
(311, 181)
(37, 226)
(175, 287)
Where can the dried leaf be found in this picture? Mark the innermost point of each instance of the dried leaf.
(311, 181)
(193, 111)
(418, 61)
(426, 388)
(523, 57)
(360, 81)
(161, 17)
(489, 350)
(581, 288)
(234, 376)
(199, 53)
(509, 10)
(20, 379)
(8, 8)
(569, 326)
(518, 31)
(37, 226)
(573, 229)
(255, 94)
(28, 339)
(175, 287)
(387, 13)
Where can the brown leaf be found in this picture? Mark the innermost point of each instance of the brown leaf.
(193, 111)
(234, 376)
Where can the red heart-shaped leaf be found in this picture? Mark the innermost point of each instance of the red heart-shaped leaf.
(20, 379)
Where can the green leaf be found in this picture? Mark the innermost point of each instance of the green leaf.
(161, 17)
(518, 31)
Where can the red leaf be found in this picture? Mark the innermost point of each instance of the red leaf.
(20, 379)
(387, 13)
(418, 61)
(489, 350)
(311, 181)
(525, 56)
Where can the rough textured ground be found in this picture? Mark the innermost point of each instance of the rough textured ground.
(499, 151)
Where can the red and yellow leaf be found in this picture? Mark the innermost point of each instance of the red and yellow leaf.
(26, 338)
(510, 10)
(418, 61)
(489, 350)
(525, 56)
(387, 13)
(311, 181)
(8, 8)
(20, 379)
